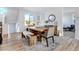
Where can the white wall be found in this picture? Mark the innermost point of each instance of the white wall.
(68, 19)
(15, 16)
(58, 13)
(1, 17)
(43, 15)
(20, 21)
(40, 19)
(37, 18)
(59, 20)
(11, 16)
(10, 19)
(77, 23)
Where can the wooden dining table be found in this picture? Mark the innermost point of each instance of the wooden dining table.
(38, 31)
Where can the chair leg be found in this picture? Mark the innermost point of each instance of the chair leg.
(53, 39)
(28, 38)
(40, 39)
(47, 42)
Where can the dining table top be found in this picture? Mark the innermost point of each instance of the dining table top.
(41, 29)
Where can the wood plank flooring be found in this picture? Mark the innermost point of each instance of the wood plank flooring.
(67, 43)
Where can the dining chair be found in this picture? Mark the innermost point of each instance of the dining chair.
(31, 38)
(50, 34)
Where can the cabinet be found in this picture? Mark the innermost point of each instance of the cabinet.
(1, 33)
(56, 32)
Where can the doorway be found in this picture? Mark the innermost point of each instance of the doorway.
(11, 30)
(68, 22)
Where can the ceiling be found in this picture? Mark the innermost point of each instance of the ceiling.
(45, 9)
(41, 9)
(69, 9)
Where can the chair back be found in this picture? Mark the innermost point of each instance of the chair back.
(27, 33)
(50, 31)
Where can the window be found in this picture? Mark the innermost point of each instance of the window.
(3, 10)
(29, 20)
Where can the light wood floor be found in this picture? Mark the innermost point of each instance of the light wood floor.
(68, 43)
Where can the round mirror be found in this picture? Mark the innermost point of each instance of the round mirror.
(51, 18)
